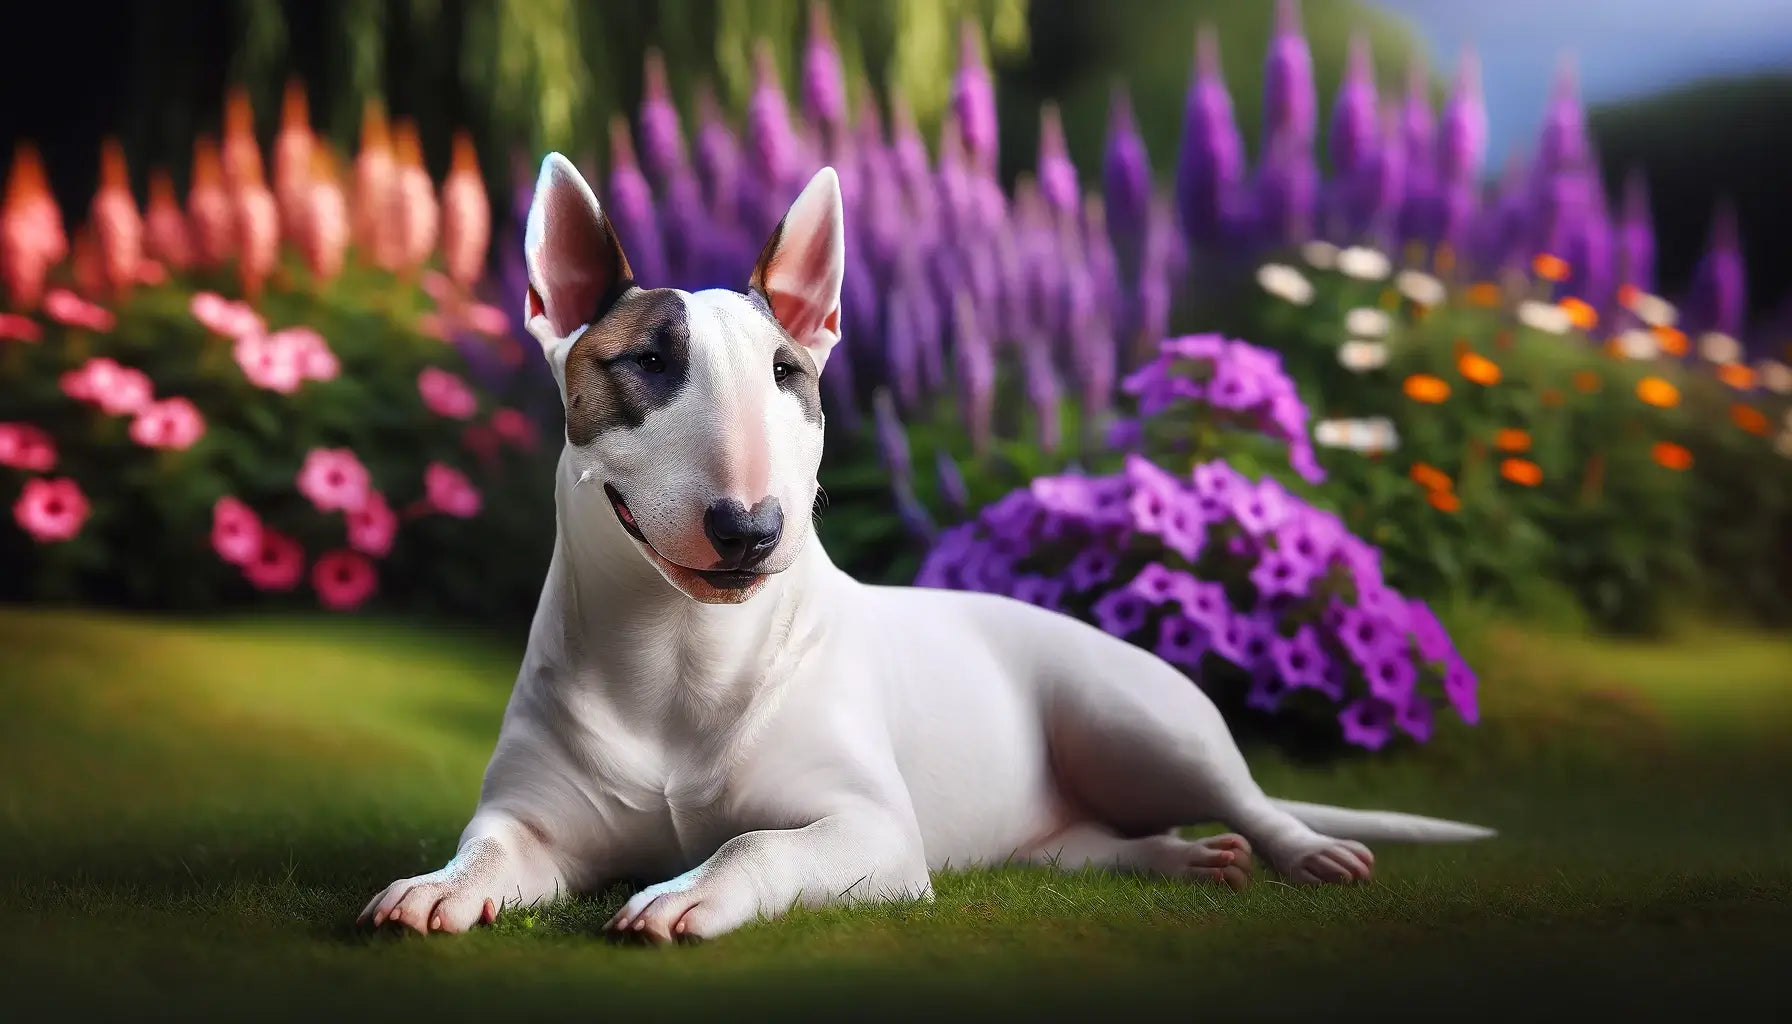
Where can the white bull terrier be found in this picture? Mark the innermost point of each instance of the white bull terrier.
(708, 700)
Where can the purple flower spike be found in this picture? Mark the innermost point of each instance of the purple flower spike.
(824, 83)
(892, 438)
(1057, 175)
(1462, 137)
(1210, 165)
(1355, 133)
(1636, 235)
(952, 487)
(1182, 641)
(718, 156)
(1121, 612)
(1290, 110)
(631, 210)
(662, 137)
(1367, 723)
(1719, 298)
(974, 99)
(1563, 145)
(772, 144)
(1126, 179)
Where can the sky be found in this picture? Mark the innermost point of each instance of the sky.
(1621, 48)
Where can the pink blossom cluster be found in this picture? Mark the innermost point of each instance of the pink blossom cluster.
(171, 424)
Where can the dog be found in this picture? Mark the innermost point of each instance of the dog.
(707, 701)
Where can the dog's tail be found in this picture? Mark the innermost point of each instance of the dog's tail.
(1381, 826)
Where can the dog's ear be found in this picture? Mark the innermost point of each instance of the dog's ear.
(575, 262)
(801, 267)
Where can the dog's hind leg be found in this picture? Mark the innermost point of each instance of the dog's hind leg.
(1140, 747)
(1086, 845)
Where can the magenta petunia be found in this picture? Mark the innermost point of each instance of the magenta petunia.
(236, 531)
(1415, 718)
(334, 480)
(1182, 641)
(14, 327)
(173, 424)
(344, 580)
(26, 446)
(309, 352)
(222, 316)
(278, 564)
(1121, 612)
(1299, 659)
(1367, 723)
(373, 526)
(446, 394)
(1461, 689)
(450, 492)
(269, 364)
(71, 310)
(117, 390)
(51, 510)
(515, 429)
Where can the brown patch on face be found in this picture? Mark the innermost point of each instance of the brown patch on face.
(634, 360)
(804, 380)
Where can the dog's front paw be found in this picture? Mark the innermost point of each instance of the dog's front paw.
(682, 909)
(450, 900)
(1329, 862)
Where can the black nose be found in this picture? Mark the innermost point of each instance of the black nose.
(742, 536)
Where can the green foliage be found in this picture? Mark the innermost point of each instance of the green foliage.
(148, 540)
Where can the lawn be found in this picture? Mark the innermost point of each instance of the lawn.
(192, 813)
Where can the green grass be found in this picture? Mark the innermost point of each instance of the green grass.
(191, 813)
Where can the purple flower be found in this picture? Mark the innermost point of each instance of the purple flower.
(1356, 120)
(1279, 574)
(1210, 166)
(1266, 693)
(892, 439)
(1368, 723)
(952, 486)
(662, 138)
(1366, 638)
(1183, 530)
(1182, 641)
(1391, 676)
(1038, 590)
(1121, 612)
(1244, 640)
(1415, 718)
(1719, 294)
(1206, 604)
(1057, 175)
(1262, 508)
(1462, 137)
(1091, 568)
(1636, 235)
(1310, 536)
(824, 85)
(974, 99)
(1124, 434)
(631, 210)
(1126, 176)
(1299, 659)
(1460, 688)
(1154, 583)
(1434, 641)
(1290, 110)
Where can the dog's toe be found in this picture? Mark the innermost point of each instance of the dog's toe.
(1337, 862)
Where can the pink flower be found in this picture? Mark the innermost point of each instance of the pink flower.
(269, 364)
(450, 492)
(231, 319)
(514, 428)
(324, 240)
(165, 235)
(344, 580)
(434, 325)
(117, 390)
(151, 274)
(258, 235)
(51, 510)
(310, 351)
(372, 526)
(334, 480)
(65, 307)
(173, 424)
(278, 564)
(437, 286)
(25, 446)
(14, 327)
(446, 394)
(466, 215)
(236, 532)
(117, 224)
(488, 320)
(482, 441)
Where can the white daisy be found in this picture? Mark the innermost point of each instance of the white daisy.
(1378, 435)
(1331, 433)
(1323, 255)
(1544, 316)
(1638, 344)
(1361, 356)
(1285, 282)
(1777, 378)
(1655, 310)
(1716, 347)
(1420, 287)
(1367, 322)
(1364, 263)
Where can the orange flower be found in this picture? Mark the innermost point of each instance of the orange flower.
(1485, 294)
(1550, 268)
(1671, 455)
(1522, 471)
(1672, 340)
(1511, 439)
(1657, 392)
(1479, 369)
(1749, 418)
(1444, 501)
(1628, 295)
(1580, 314)
(1586, 382)
(1423, 387)
(1553, 399)
(1737, 375)
(1430, 477)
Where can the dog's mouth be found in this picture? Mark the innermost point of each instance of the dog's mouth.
(719, 579)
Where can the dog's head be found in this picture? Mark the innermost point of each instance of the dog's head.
(698, 415)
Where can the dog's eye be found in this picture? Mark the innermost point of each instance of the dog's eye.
(782, 370)
(650, 363)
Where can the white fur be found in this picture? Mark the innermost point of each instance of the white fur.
(825, 740)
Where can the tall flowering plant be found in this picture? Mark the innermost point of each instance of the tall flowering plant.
(1266, 600)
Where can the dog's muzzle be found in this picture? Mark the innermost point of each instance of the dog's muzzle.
(735, 577)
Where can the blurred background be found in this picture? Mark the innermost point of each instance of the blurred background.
(1414, 374)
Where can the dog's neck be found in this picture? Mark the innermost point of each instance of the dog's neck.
(617, 618)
